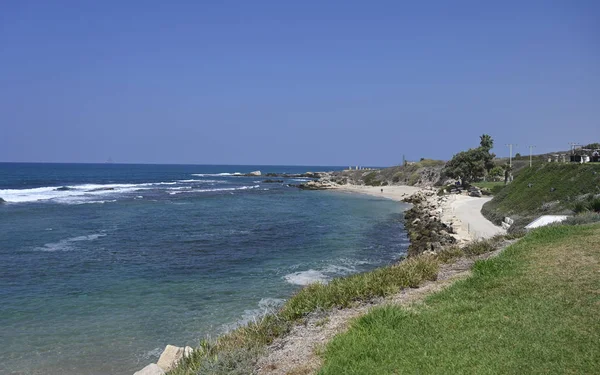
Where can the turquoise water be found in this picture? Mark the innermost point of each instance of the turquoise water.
(103, 265)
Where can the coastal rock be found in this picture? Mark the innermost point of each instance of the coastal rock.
(316, 185)
(172, 355)
(255, 173)
(151, 369)
(422, 222)
(2, 201)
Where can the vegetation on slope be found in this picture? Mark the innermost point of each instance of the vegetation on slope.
(421, 173)
(238, 351)
(549, 188)
(533, 309)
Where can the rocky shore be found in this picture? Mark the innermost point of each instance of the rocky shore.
(423, 223)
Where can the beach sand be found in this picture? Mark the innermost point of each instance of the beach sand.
(396, 193)
(462, 211)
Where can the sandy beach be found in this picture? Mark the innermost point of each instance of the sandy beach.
(461, 211)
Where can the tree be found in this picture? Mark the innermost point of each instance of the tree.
(517, 155)
(496, 172)
(472, 165)
(466, 165)
(486, 142)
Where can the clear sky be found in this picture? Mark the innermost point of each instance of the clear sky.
(294, 82)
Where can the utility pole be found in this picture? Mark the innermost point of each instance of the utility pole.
(530, 154)
(573, 144)
(510, 146)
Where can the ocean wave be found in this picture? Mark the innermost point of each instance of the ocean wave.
(266, 306)
(78, 194)
(306, 277)
(179, 191)
(318, 276)
(216, 174)
(228, 189)
(68, 243)
(66, 193)
(203, 181)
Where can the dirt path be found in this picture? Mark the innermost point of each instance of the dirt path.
(468, 211)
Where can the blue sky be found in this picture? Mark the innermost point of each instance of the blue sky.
(308, 83)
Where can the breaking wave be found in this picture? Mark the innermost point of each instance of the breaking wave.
(69, 243)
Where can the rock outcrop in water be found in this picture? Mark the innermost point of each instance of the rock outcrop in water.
(2, 201)
(321, 184)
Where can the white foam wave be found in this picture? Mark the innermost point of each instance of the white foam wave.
(65, 194)
(228, 189)
(318, 276)
(68, 243)
(216, 174)
(306, 277)
(203, 181)
(154, 353)
(179, 191)
(78, 194)
(96, 202)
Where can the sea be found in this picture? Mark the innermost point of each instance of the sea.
(103, 265)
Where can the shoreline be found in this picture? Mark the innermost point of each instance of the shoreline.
(461, 212)
(289, 351)
(296, 352)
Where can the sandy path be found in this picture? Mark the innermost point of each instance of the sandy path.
(465, 213)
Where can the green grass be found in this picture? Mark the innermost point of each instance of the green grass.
(532, 310)
(493, 187)
(555, 189)
(237, 351)
(488, 184)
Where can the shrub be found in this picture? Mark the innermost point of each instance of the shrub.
(580, 207)
(595, 205)
(371, 179)
(584, 218)
(479, 247)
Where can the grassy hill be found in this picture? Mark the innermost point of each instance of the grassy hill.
(549, 188)
(531, 310)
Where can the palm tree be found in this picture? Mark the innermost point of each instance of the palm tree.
(486, 142)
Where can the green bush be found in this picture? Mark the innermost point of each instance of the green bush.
(371, 179)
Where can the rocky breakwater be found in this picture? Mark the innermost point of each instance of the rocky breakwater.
(168, 360)
(423, 223)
